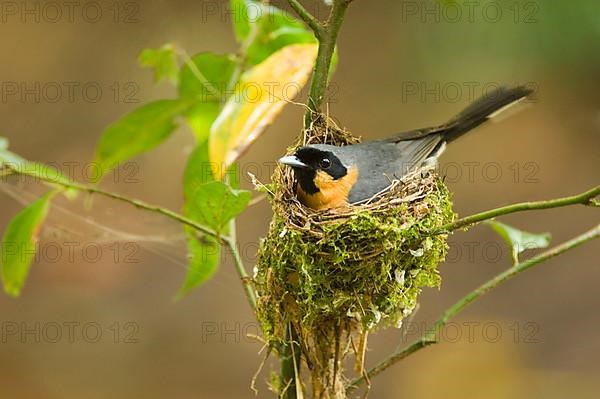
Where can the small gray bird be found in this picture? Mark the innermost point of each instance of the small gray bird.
(329, 176)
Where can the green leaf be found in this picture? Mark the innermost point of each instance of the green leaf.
(204, 254)
(274, 29)
(519, 240)
(200, 118)
(205, 81)
(245, 13)
(39, 171)
(164, 62)
(260, 96)
(215, 203)
(139, 131)
(3, 143)
(198, 171)
(233, 176)
(204, 251)
(19, 244)
(207, 77)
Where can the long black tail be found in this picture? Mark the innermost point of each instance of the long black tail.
(484, 109)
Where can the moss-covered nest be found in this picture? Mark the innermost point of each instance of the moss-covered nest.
(352, 268)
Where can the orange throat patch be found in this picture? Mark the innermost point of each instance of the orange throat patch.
(332, 193)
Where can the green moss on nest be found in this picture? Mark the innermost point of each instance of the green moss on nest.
(367, 267)
(332, 276)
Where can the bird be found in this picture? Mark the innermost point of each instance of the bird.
(328, 176)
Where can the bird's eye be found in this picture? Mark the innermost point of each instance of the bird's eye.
(325, 163)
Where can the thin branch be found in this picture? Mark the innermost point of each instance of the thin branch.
(138, 204)
(327, 43)
(238, 263)
(585, 198)
(230, 241)
(392, 359)
(513, 271)
(290, 356)
(430, 337)
(239, 266)
(307, 17)
(327, 36)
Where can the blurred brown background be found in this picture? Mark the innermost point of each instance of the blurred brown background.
(402, 65)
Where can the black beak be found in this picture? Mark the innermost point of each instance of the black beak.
(293, 161)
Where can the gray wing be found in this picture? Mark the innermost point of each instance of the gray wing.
(380, 162)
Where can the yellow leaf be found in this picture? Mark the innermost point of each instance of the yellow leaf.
(257, 99)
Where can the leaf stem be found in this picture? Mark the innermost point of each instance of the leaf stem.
(430, 337)
(242, 56)
(194, 69)
(585, 198)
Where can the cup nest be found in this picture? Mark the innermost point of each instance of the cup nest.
(355, 267)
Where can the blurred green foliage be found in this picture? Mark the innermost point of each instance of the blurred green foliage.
(19, 244)
(496, 34)
(204, 84)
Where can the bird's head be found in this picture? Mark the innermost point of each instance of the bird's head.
(314, 166)
(324, 181)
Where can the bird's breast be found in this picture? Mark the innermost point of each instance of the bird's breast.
(333, 193)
